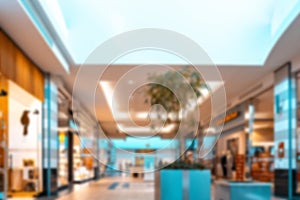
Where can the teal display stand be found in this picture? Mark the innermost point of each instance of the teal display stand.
(185, 184)
(225, 190)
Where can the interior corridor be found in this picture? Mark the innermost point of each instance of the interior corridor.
(113, 188)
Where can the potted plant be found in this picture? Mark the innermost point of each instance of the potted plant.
(177, 91)
(182, 180)
(174, 90)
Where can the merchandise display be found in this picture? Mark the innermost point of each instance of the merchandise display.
(82, 162)
(63, 171)
(262, 167)
(25, 179)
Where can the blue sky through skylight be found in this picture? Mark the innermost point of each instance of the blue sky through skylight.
(232, 32)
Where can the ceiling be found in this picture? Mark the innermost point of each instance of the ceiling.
(239, 71)
(244, 76)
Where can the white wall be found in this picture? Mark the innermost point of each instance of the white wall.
(20, 146)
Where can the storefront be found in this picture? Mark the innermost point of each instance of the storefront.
(66, 129)
(261, 137)
(63, 159)
(232, 142)
(83, 159)
(84, 147)
(22, 96)
(247, 140)
(103, 154)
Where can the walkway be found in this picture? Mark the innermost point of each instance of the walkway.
(113, 188)
(116, 188)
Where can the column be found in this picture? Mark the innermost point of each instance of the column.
(285, 132)
(50, 142)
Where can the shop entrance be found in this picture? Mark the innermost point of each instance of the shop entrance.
(261, 138)
(65, 159)
(24, 143)
(83, 159)
(247, 140)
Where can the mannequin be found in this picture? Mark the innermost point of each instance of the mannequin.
(219, 169)
(229, 164)
(224, 163)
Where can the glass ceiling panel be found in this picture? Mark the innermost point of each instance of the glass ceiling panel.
(232, 32)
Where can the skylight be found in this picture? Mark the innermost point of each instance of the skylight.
(232, 32)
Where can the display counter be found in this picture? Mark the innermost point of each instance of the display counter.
(226, 190)
(262, 167)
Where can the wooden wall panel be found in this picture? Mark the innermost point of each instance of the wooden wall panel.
(23, 73)
(16, 66)
(38, 83)
(8, 52)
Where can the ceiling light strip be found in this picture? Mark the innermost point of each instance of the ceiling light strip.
(41, 21)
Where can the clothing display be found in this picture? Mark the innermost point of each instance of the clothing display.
(219, 170)
(224, 163)
(229, 165)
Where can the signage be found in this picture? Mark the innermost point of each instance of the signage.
(231, 116)
(280, 150)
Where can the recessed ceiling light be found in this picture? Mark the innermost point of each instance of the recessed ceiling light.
(130, 82)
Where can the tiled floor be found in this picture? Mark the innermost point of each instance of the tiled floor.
(114, 188)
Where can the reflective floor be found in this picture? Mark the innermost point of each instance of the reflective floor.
(113, 188)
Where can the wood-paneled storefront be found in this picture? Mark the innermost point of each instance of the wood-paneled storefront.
(17, 67)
